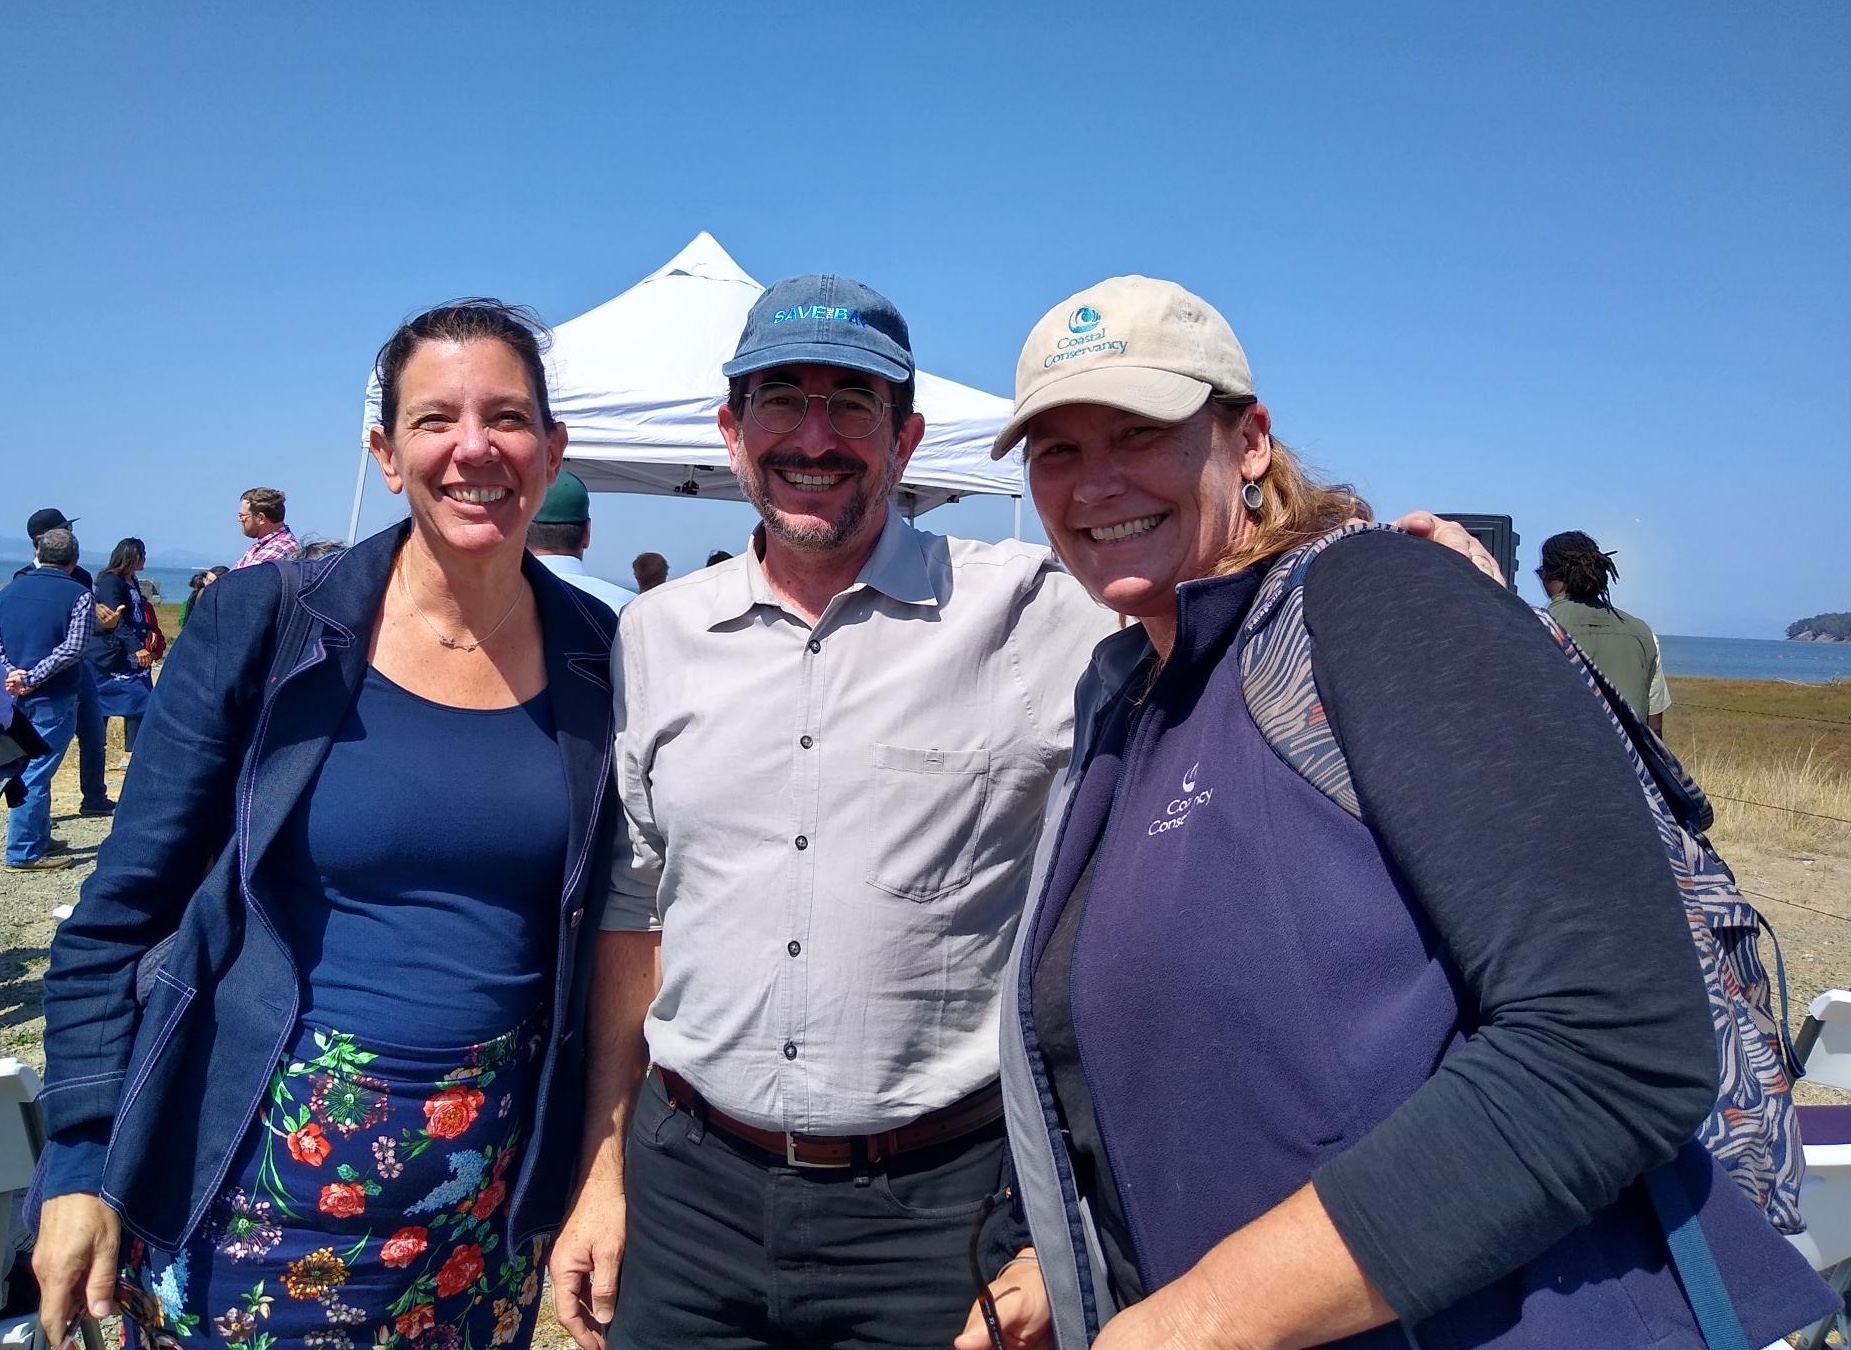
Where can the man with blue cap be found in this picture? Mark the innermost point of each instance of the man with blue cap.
(833, 754)
(561, 532)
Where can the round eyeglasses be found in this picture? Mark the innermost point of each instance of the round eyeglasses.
(781, 408)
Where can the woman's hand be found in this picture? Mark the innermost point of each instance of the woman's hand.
(1150, 1326)
(144, 658)
(1021, 1310)
(1283, 1282)
(75, 1260)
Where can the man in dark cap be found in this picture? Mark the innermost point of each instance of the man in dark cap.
(833, 757)
(94, 791)
(560, 534)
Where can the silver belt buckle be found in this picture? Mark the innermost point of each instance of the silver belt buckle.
(790, 1157)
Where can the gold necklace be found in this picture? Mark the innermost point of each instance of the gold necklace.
(454, 644)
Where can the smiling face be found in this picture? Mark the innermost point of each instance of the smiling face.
(1134, 507)
(468, 449)
(817, 490)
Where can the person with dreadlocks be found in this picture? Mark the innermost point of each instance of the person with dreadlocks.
(1576, 575)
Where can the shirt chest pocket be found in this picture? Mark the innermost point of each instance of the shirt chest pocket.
(927, 806)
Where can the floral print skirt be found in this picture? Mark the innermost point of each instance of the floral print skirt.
(368, 1206)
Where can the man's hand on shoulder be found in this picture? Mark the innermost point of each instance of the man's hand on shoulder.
(1454, 536)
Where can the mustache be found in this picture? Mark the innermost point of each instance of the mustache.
(827, 462)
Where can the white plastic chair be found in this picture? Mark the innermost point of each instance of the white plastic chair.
(1824, 1047)
(20, 1138)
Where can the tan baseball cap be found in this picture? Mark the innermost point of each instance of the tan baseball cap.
(1134, 343)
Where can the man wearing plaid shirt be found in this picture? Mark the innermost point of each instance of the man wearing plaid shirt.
(260, 516)
(46, 618)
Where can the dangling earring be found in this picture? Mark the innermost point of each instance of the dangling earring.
(1250, 497)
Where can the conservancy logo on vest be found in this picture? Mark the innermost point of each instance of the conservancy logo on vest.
(1176, 813)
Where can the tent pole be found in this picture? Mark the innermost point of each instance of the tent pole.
(359, 491)
(1017, 501)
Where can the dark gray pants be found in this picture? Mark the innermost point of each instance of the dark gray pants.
(730, 1249)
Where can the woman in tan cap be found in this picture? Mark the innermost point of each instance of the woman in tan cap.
(1355, 994)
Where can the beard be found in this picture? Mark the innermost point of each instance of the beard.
(813, 536)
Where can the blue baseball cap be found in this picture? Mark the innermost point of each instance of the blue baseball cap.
(828, 320)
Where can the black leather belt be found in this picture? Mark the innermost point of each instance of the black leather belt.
(967, 1116)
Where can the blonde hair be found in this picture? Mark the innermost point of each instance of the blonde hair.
(1296, 505)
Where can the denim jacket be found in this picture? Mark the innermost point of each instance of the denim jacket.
(221, 762)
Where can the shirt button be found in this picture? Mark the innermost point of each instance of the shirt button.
(790, 1049)
(803, 842)
(807, 741)
(815, 645)
(573, 918)
(793, 947)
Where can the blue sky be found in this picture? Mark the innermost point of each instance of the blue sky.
(1583, 263)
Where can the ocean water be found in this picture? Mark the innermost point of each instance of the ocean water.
(1756, 659)
(173, 581)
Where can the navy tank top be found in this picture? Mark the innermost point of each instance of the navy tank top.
(437, 837)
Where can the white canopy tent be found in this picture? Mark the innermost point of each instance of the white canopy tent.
(637, 381)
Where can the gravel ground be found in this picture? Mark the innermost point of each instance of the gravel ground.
(1806, 898)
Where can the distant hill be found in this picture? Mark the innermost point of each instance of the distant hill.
(16, 546)
(1821, 628)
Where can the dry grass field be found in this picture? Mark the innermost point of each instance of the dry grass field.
(1765, 752)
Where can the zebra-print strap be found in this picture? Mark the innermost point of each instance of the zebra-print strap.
(1753, 1130)
(1276, 675)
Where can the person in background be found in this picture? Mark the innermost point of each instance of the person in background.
(718, 556)
(341, 1105)
(260, 517)
(1288, 1062)
(314, 547)
(199, 582)
(1576, 574)
(94, 797)
(46, 619)
(120, 660)
(650, 570)
(561, 533)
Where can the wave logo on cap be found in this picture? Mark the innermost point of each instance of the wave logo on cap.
(1086, 335)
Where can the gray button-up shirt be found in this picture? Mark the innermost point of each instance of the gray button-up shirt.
(833, 826)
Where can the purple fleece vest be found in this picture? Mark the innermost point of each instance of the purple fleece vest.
(1253, 990)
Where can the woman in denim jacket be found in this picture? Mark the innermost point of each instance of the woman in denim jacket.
(311, 1032)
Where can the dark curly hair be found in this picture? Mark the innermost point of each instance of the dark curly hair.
(1575, 560)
